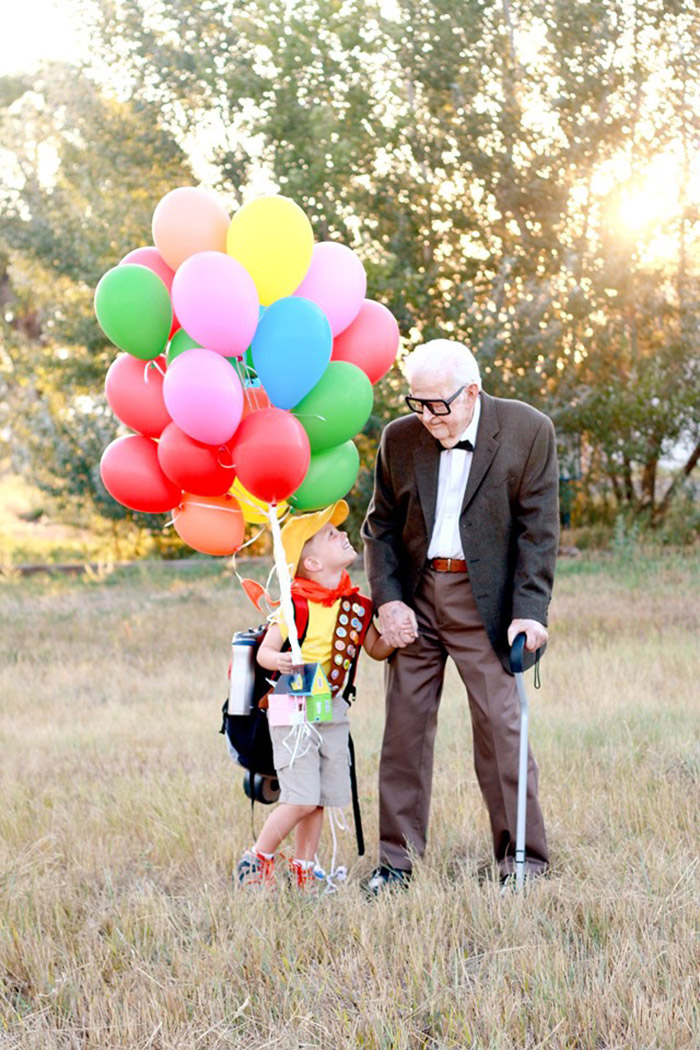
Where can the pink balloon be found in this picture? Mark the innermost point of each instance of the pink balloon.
(134, 390)
(152, 258)
(370, 342)
(217, 302)
(336, 281)
(204, 396)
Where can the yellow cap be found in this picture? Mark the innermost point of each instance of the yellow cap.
(301, 527)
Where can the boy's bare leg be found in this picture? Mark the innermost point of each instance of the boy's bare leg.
(307, 834)
(280, 822)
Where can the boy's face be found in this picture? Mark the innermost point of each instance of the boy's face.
(328, 549)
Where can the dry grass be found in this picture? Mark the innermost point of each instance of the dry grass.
(122, 817)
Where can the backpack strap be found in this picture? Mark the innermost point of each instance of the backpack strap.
(357, 815)
(301, 620)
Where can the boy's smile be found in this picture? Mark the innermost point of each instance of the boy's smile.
(328, 551)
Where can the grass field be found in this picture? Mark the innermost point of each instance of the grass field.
(122, 817)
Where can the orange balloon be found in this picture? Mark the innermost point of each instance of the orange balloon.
(254, 398)
(210, 524)
(189, 220)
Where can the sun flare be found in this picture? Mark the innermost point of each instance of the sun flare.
(653, 200)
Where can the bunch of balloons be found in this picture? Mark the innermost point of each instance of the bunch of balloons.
(249, 358)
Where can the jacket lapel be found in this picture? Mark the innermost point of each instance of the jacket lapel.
(485, 448)
(426, 459)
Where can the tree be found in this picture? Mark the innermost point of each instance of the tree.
(471, 153)
(85, 172)
(477, 156)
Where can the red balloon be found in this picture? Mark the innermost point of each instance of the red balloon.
(205, 470)
(135, 394)
(271, 454)
(152, 258)
(370, 342)
(131, 473)
(254, 398)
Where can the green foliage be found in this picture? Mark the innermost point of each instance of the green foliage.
(475, 155)
(87, 170)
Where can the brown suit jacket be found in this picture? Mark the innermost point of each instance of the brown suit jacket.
(509, 521)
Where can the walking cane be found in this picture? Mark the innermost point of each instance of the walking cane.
(516, 666)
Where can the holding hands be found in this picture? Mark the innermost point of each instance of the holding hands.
(397, 623)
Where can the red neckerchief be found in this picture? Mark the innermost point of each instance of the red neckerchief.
(315, 592)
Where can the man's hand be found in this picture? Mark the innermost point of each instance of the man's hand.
(397, 624)
(536, 634)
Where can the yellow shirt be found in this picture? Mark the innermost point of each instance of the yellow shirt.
(317, 646)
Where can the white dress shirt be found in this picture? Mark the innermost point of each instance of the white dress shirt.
(455, 464)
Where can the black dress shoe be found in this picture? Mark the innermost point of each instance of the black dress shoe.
(386, 878)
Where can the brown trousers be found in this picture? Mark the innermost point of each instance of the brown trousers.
(450, 625)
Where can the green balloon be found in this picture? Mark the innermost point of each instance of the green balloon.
(133, 308)
(179, 343)
(338, 406)
(330, 476)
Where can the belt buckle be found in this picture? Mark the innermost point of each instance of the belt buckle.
(449, 564)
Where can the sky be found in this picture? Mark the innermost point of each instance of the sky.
(38, 30)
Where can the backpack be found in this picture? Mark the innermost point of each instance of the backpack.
(248, 734)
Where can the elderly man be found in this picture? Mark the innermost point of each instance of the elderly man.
(460, 542)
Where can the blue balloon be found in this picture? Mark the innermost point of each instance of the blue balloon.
(291, 349)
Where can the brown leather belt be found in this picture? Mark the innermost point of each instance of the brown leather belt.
(447, 564)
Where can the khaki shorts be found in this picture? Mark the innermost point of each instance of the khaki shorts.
(320, 774)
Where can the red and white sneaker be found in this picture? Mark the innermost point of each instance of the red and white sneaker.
(255, 870)
(302, 876)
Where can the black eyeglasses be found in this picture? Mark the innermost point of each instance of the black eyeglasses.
(436, 407)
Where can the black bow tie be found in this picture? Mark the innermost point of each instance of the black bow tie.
(465, 446)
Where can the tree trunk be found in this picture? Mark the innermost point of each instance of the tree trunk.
(649, 481)
(630, 496)
(660, 511)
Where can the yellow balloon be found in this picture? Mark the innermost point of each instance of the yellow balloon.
(273, 239)
(254, 510)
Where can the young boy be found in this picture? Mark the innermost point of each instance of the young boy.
(339, 619)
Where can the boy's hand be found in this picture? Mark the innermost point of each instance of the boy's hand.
(284, 663)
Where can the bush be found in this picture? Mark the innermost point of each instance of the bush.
(681, 525)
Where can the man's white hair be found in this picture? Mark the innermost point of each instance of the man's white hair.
(443, 357)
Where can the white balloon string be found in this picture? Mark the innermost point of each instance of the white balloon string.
(244, 373)
(336, 819)
(152, 364)
(310, 415)
(237, 369)
(247, 543)
(207, 506)
(285, 585)
(305, 732)
(173, 519)
(270, 574)
(226, 466)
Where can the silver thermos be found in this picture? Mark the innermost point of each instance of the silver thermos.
(241, 686)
